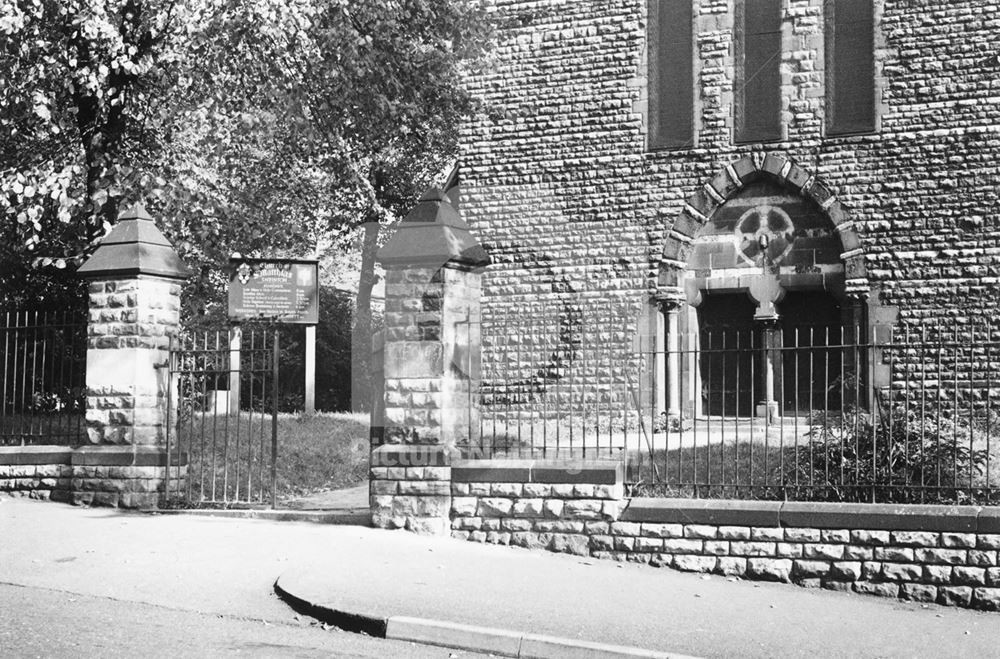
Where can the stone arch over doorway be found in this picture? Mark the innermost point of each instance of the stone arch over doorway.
(727, 184)
(762, 228)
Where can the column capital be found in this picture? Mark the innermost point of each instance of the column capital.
(669, 298)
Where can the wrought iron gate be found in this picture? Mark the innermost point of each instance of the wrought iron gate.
(224, 415)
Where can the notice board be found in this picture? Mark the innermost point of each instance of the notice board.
(282, 290)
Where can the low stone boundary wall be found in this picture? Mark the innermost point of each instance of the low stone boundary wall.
(535, 503)
(130, 477)
(942, 554)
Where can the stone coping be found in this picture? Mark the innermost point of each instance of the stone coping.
(802, 514)
(103, 456)
(35, 455)
(412, 455)
(592, 471)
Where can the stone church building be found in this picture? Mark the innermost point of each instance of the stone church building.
(809, 172)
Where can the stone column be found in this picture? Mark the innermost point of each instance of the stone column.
(661, 373)
(431, 365)
(673, 345)
(768, 407)
(135, 284)
(766, 290)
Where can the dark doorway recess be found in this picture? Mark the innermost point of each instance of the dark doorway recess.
(729, 364)
(814, 340)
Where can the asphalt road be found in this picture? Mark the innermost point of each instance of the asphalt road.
(79, 582)
(221, 572)
(38, 622)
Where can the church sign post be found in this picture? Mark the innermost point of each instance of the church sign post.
(280, 290)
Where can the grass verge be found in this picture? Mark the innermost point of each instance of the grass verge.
(230, 456)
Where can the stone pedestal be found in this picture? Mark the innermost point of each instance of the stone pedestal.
(431, 366)
(134, 312)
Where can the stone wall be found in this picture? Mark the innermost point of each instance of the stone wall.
(942, 554)
(948, 568)
(410, 489)
(557, 506)
(574, 209)
(50, 472)
(90, 475)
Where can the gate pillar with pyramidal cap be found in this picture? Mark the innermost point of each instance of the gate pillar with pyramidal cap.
(431, 352)
(134, 311)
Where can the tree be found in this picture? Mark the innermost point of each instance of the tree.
(106, 103)
(77, 123)
(258, 126)
(356, 106)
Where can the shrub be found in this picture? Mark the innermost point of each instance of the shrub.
(898, 456)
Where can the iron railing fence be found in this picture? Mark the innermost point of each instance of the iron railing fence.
(803, 413)
(223, 412)
(43, 378)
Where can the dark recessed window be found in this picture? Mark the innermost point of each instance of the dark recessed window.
(671, 76)
(850, 67)
(758, 81)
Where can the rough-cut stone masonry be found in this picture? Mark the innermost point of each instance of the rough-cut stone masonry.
(131, 322)
(89, 476)
(575, 211)
(430, 361)
(947, 555)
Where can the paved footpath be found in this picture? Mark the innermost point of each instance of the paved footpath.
(227, 565)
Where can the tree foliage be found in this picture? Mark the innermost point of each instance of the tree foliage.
(79, 121)
(260, 126)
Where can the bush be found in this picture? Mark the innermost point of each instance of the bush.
(898, 457)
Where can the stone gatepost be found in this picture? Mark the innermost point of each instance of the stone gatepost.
(431, 365)
(135, 284)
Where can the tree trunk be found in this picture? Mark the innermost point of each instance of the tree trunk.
(361, 334)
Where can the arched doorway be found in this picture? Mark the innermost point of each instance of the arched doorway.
(764, 279)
